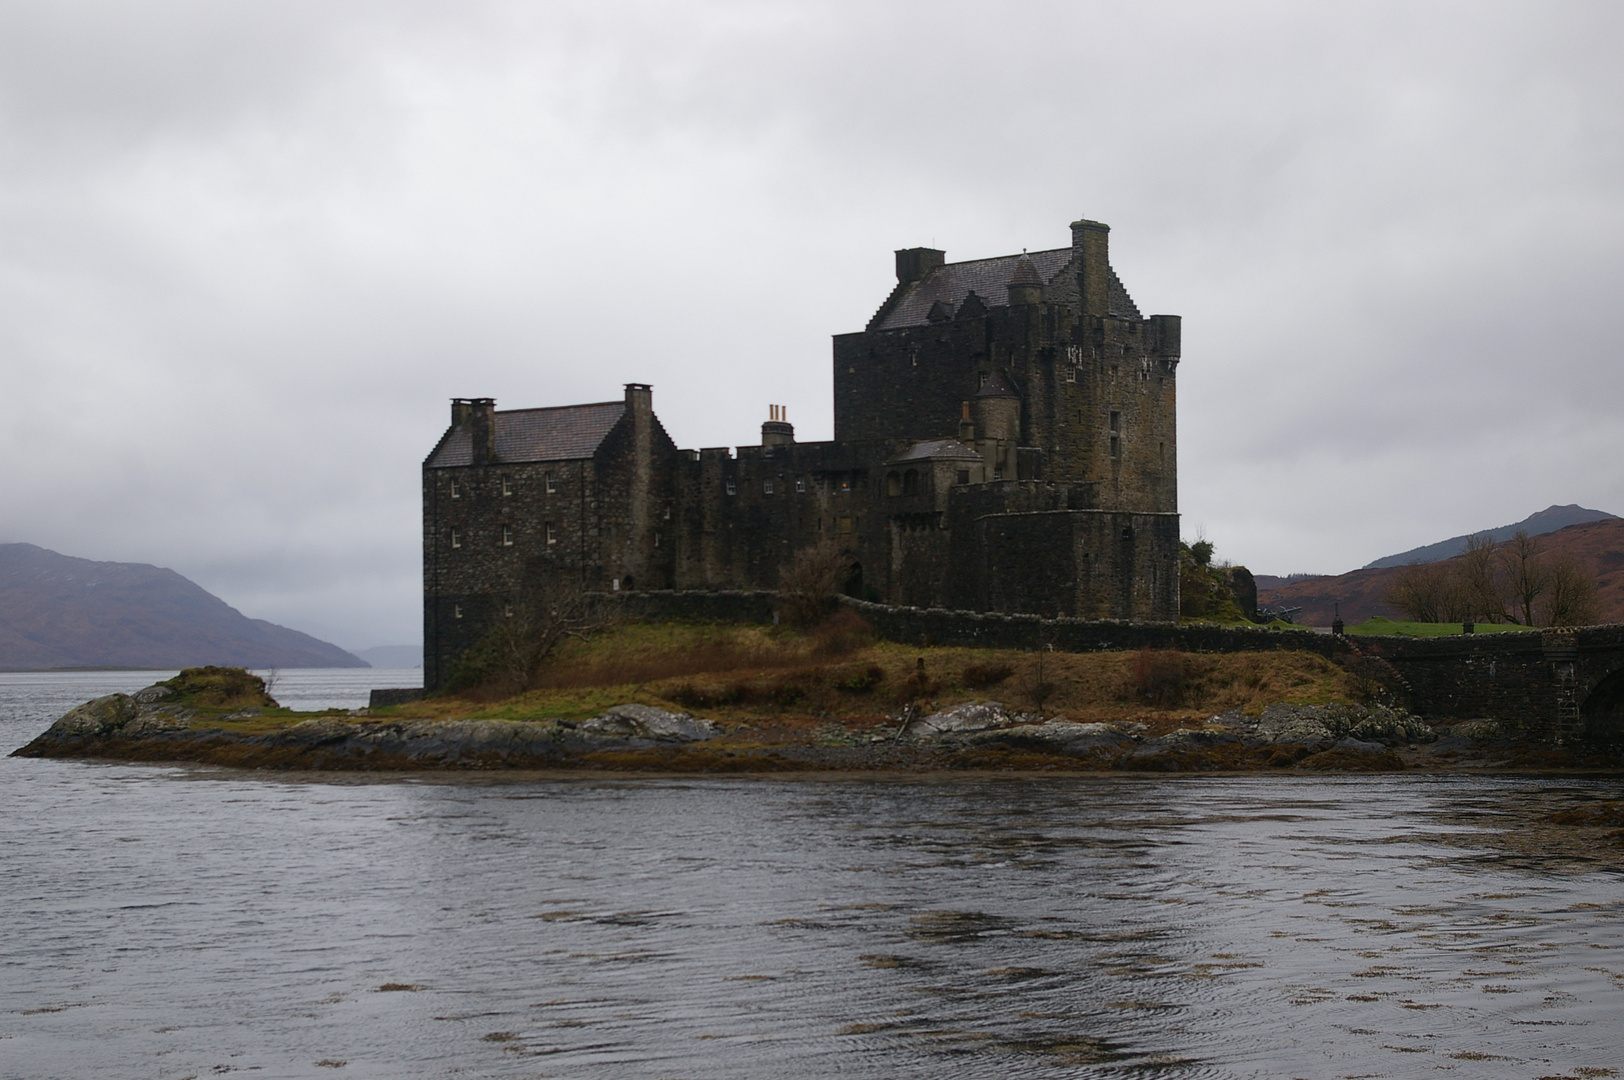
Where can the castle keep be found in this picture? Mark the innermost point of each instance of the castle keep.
(1004, 441)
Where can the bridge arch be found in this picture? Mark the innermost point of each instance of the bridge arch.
(1602, 710)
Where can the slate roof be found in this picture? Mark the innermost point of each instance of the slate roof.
(987, 278)
(998, 385)
(561, 433)
(936, 449)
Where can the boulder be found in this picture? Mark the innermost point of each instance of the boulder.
(1317, 725)
(1060, 736)
(975, 716)
(647, 722)
(103, 716)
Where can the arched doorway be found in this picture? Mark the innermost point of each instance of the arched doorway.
(1602, 712)
(854, 581)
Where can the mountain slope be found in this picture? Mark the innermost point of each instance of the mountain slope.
(1598, 546)
(59, 611)
(1548, 520)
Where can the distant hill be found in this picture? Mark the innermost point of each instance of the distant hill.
(1597, 545)
(57, 611)
(392, 656)
(1548, 520)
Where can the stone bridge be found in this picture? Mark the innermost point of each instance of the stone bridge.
(1563, 683)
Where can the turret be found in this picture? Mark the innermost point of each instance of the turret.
(1026, 284)
(998, 410)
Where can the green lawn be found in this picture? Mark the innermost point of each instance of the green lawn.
(1380, 625)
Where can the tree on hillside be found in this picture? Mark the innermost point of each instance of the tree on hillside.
(1425, 592)
(1517, 582)
(1476, 575)
(1570, 597)
(1526, 576)
(808, 585)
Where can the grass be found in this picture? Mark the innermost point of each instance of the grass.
(741, 674)
(1380, 625)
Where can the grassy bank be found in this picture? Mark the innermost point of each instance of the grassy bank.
(739, 673)
(1379, 625)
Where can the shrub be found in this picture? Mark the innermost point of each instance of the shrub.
(863, 681)
(218, 687)
(981, 676)
(842, 634)
(1158, 676)
(808, 585)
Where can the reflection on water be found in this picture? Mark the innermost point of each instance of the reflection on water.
(185, 922)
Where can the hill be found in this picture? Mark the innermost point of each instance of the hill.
(1548, 520)
(1597, 545)
(57, 611)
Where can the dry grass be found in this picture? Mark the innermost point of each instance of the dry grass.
(737, 674)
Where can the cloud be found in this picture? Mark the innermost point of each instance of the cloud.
(247, 251)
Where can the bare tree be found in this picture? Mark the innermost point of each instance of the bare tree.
(1476, 582)
(1570, 598)
(1526, 578)
(1425, 592)
(808, 585)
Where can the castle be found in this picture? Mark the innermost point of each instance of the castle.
(1004, 441)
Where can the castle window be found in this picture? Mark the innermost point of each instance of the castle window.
(1116, 421)
(456, 611)
(456, 490)
(614, 585)
(456, 538)
(732, 486)
(1113, 372)
(910, 482)
(507, 611)
(767, 486)
(552, 533)
(656, 538)
(552, 484)
(845, 485)
(964, 476)
(1071, 374)
(1161, 452)
(893, 484)
(984, 377)
(1116, 448)
(847, 525)
(800, 483)
(507, 486)
(507, 536)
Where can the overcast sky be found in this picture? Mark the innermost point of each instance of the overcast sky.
(249, 250)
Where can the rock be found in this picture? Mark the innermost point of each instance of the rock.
(102, 716)
(1187, 739)
(153, 693)
(1360, 746)
(647, 722)
(1310, 725)
(1061, 736)
(975, 716)
(1477, 729)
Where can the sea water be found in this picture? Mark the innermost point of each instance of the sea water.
(178, 921)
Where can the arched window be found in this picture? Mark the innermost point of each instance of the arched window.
(910, 482)
(893, 484)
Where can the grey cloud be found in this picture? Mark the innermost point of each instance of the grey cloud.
(247, 251)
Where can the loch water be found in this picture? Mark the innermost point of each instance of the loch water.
(175, 921)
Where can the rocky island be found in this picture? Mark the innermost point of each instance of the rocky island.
(740, 700)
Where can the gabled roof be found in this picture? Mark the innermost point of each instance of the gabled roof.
(949, 284)
(561, 433)
(936, 450)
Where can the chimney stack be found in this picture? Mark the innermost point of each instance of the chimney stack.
(777, 431)
(1090, 243)
(478, 415)
(914, 263)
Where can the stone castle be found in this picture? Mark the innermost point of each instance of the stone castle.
(1004, 441)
